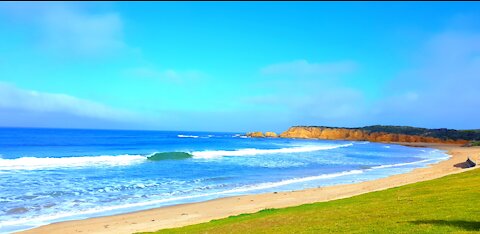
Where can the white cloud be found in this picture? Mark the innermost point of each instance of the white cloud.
(335, 104)
(13, 98)
(302, 99)
(442, 89)
(305, 68)
(68, 28)
(309, 94)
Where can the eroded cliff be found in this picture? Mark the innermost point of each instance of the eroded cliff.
(361, 135)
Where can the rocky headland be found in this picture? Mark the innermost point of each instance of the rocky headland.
(378, 133)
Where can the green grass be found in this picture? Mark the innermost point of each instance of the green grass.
(475, 143)
(447, 205)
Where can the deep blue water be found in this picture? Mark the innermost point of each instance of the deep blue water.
(49, 175)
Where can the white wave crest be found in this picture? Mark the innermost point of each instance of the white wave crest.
(239, 136)
(33, 163)
(409, 163)
(293, 181)
(253, 151)
(187, 136)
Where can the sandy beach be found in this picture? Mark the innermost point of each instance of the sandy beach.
(186, 214)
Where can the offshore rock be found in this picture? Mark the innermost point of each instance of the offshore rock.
(255, 134)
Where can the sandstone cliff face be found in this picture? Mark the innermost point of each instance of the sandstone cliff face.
(359, 135)
(271, 134)
(255, 134)
(260, 134)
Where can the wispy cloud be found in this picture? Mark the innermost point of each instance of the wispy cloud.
(305, 68)
(307, 95)
(441, 88)
(170, 75)
(68, 29)
(13, 98)
(330, 105)
(443, 85)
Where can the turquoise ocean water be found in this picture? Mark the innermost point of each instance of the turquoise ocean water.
(51, 175)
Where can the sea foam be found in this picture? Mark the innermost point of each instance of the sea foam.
(252, 151)
(33, 163)
(409, 163)
(239, 190)
(187, 136)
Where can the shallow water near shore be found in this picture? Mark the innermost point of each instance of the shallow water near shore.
(51, 175)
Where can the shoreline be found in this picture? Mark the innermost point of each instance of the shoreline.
(193, 213)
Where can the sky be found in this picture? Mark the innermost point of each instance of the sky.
(239, 66)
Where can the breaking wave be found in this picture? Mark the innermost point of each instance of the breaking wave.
(252, 151)
(33, 163)
(187, 136)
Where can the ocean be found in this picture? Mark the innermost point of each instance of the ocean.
(51, 175)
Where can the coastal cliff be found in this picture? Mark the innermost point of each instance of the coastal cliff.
(270, 134)
(363, 135)
(378, 133)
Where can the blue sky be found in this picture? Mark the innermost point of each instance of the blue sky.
(239, 66)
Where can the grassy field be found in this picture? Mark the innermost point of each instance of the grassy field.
(445, 205)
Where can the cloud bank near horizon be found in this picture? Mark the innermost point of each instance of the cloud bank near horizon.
(18, 103)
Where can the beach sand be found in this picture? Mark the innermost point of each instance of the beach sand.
(186, 214)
